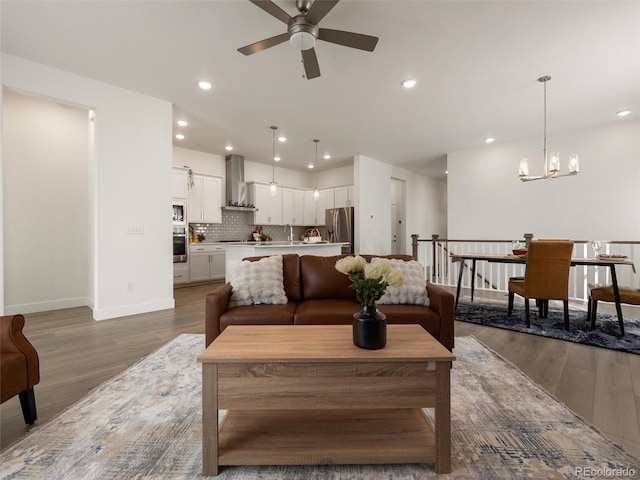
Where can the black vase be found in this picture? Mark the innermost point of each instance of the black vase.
(369, 328)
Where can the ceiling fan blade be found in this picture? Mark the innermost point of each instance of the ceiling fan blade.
(319, 9)
(264, 44)
(272, 9)
(348, 39)
(310, 60)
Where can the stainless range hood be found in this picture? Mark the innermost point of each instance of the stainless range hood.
(237, 195)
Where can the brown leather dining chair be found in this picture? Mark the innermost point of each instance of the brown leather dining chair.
(19, 366)
(604, 293)
(546, 277)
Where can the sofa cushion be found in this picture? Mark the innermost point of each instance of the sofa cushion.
(326, 312)
(413, 290)
(259, 315)
(257, 282)
(291, 273)
(321, 280)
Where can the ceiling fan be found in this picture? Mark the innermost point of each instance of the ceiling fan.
(303, 32)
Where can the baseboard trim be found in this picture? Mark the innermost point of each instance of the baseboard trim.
(37, 307)
(116, 312)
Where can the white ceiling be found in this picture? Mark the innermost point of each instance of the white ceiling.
(476, 64)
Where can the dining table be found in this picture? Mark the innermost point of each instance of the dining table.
(600, 261)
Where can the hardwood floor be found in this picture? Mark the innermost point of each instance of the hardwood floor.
(78, 354)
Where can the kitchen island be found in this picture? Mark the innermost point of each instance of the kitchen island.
(238, 251)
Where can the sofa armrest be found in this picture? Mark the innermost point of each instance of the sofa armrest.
(217, 302)
(442, 302)
(12, 340)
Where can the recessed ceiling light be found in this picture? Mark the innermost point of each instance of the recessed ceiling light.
(180, 136)
(205, 85)
(282, 138)
(183, 123)
(410, 83)
(327, 156)
(276, 158)
(489, 140)
(228, 148)
(623, 113)
(446, 172)
(310, 165)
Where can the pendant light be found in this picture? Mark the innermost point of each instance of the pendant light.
(551, 165)
(273, 185)
(316, 192)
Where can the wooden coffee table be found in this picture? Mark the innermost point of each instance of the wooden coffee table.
(306, 395)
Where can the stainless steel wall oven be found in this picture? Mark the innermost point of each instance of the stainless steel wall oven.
(179, 244)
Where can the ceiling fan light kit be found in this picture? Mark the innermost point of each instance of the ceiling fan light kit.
(551, 166)
(303, 32)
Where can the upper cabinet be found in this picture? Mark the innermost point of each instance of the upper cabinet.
(314, 208)
(293, 206)
(269, 206)
(204, 200)
(180, 187)
(344, 196)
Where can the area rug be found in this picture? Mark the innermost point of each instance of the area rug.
(146, 424)
(606, 334)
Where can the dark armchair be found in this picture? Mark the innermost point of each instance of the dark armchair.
(19, 366)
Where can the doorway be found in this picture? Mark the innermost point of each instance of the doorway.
(398, 229)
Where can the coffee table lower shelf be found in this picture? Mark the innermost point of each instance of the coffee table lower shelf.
(321, 437)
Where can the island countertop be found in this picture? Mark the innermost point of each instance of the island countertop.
(238, 251)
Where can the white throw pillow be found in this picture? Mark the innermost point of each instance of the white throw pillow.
(256, 282)
(413, 290)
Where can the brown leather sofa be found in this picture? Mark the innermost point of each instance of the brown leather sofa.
(19, 366)
(320, 295)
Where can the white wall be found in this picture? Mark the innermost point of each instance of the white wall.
(211, 164)
(372, 187)
(2, 310)
(486, 199)
(46, 180)
(132, 153)
(426, 205)
(199, 162)
(334, 178)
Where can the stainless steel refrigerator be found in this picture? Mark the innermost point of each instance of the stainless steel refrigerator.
(339, 225)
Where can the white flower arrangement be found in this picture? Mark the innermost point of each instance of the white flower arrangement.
(369, 280)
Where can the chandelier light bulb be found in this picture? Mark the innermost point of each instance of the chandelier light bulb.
(574, 164)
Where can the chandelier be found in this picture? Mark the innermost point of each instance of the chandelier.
(551, 167)
(273, 185)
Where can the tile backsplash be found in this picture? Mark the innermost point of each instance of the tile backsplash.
(238, 226)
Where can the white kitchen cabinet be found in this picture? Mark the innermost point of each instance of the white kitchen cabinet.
(269, 206)
(343, 196)
(180, 273)
(204, 201)
(179, 185)
(314, 210)
(206, 262)
(292, 206)
(328, 196)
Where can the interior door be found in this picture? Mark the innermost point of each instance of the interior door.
(394, 229)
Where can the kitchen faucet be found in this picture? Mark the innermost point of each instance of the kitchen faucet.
(290, 236)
